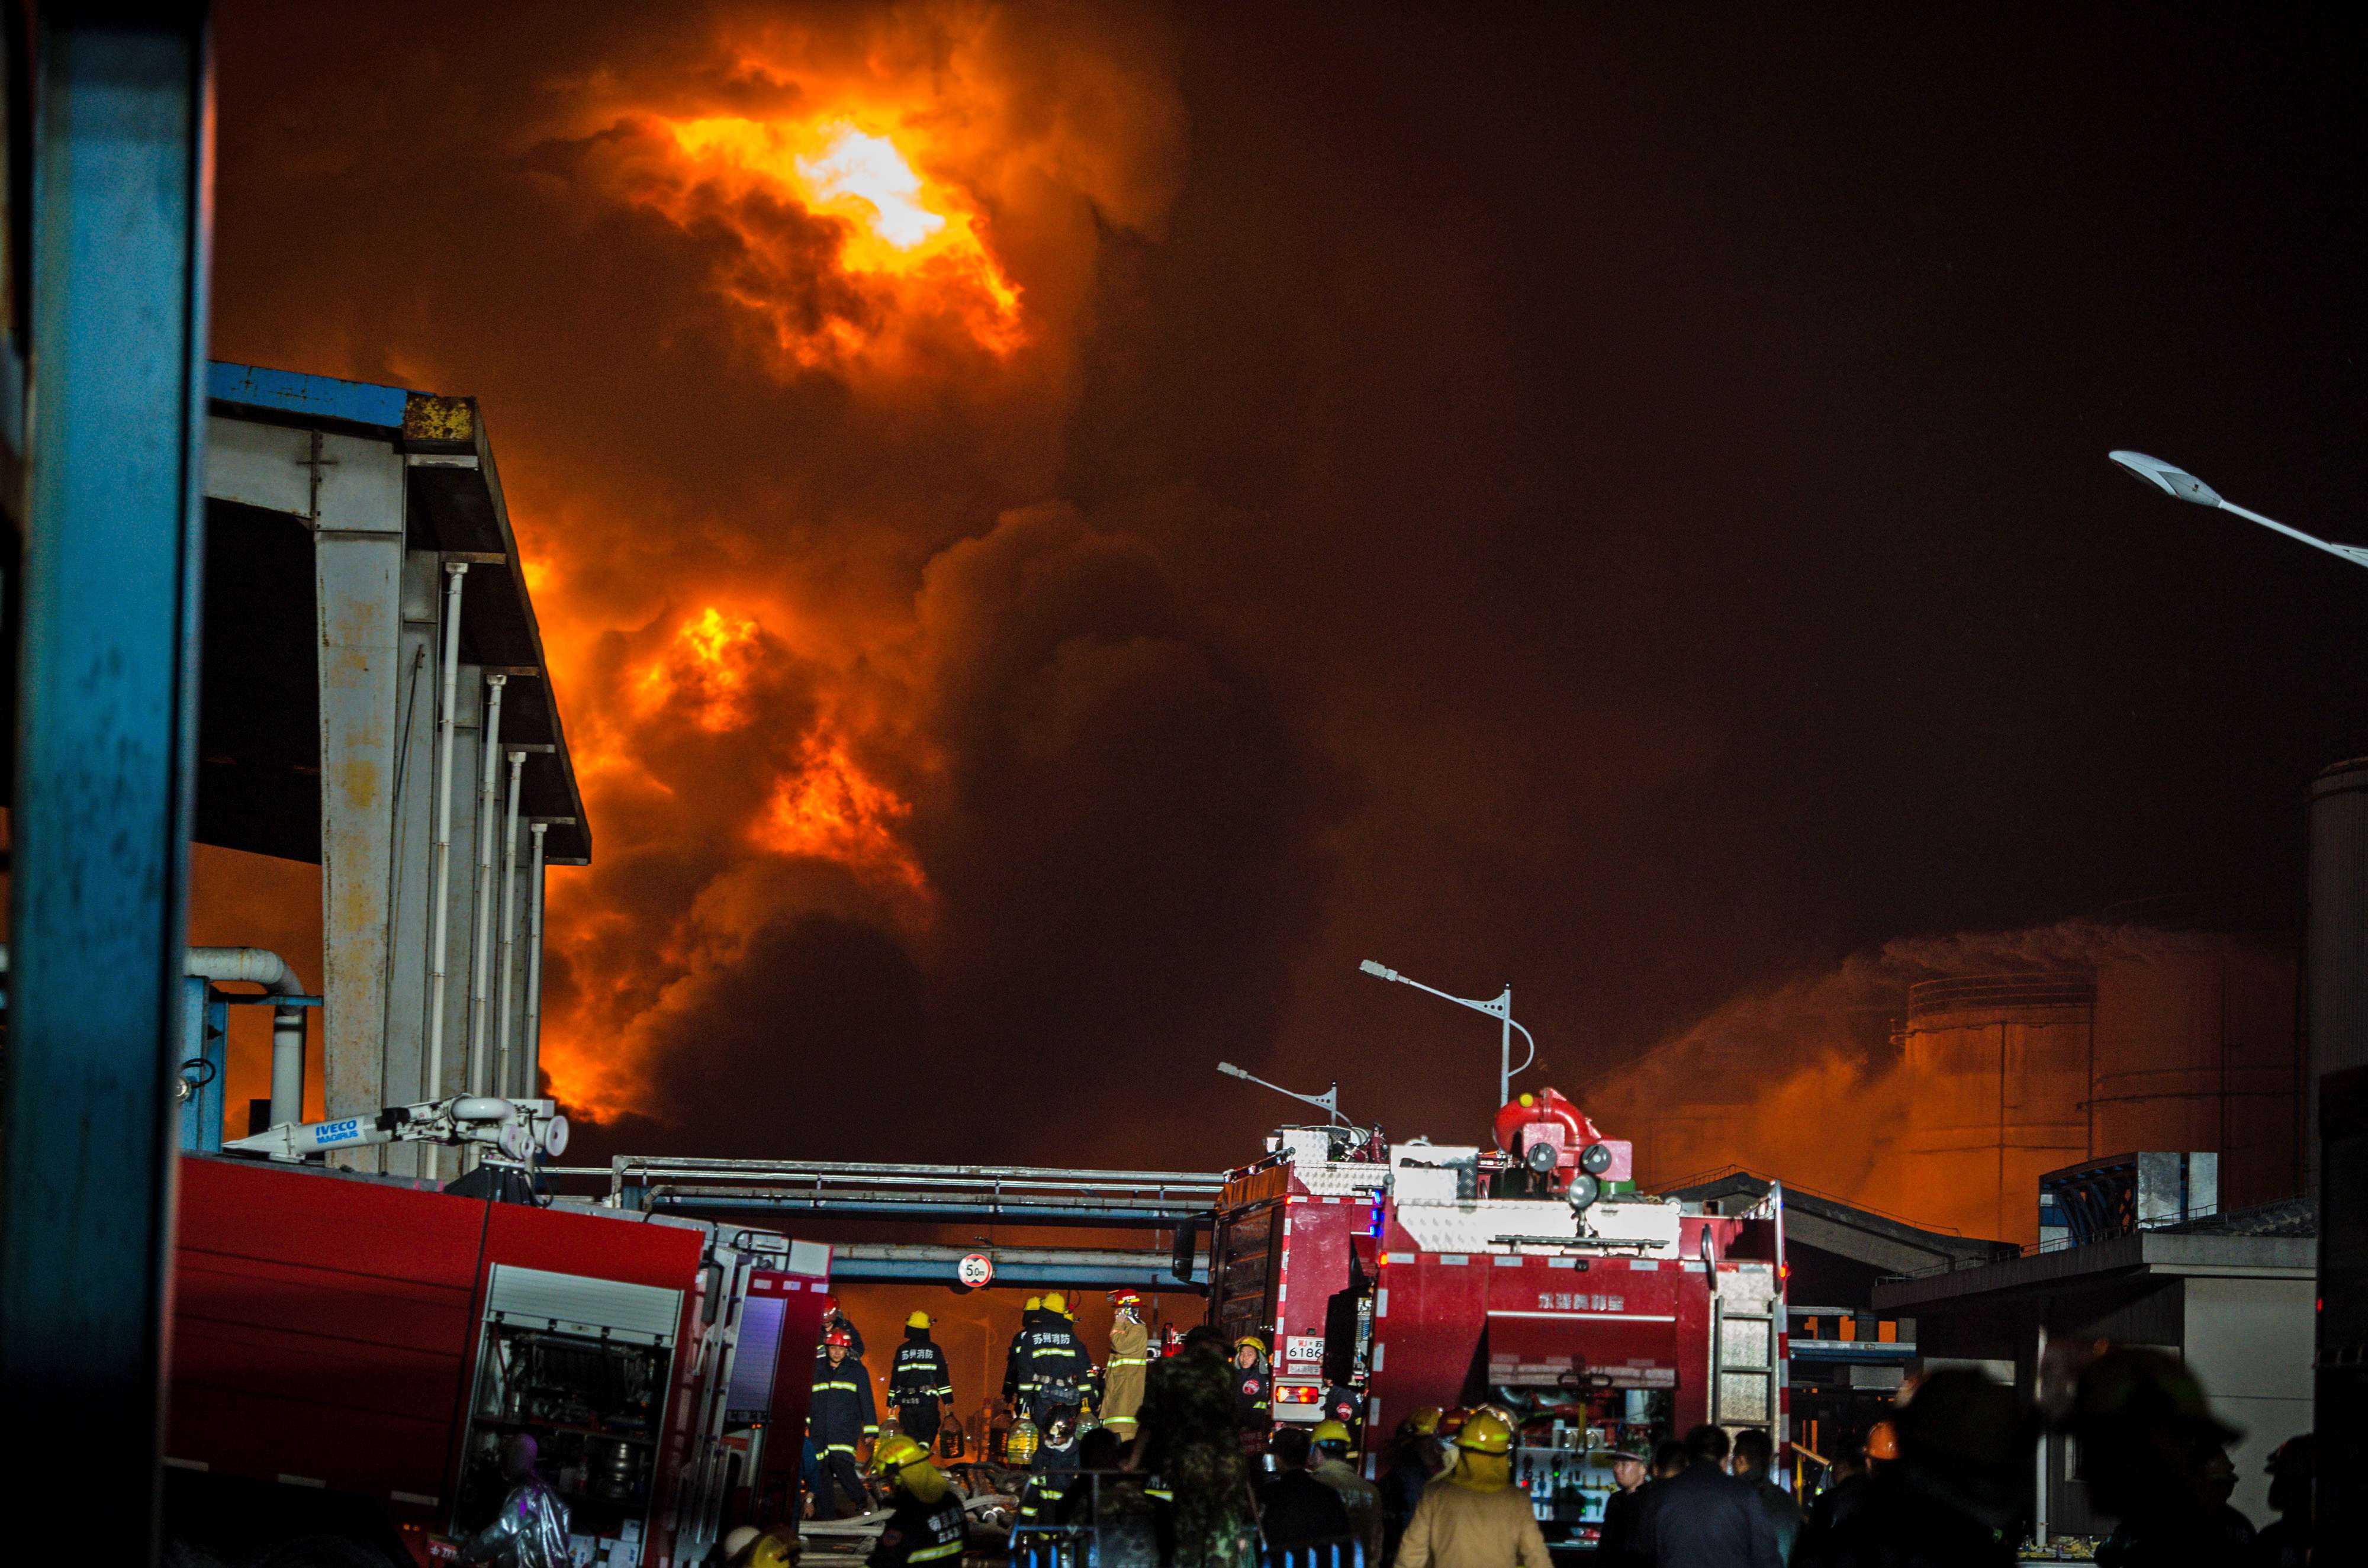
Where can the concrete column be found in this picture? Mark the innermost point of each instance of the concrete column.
(357, 556)
(418, 687)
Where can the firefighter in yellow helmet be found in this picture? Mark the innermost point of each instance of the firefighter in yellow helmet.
(1475, 1517)
(920, 1385)
(1055, 1365)
(1334, 1447)
(1129, 1365)
(1253, 1388)
(924, 1519)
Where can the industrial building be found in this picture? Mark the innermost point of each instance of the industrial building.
(376, 702)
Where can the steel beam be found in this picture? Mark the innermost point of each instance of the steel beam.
(107, 728)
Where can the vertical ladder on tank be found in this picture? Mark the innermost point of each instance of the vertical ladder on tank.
(1745, 1375)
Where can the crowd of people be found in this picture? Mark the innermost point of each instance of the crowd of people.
(1174, 1461)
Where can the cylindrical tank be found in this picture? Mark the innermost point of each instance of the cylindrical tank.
(1996, 1076)
(2195, 1052)
(2337, 940)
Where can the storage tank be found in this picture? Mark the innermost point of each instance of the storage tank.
(1997, 1073)
(2196, 1051)
(2337, 1022)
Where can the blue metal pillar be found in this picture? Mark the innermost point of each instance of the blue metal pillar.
(205, 1064)
(107, 726)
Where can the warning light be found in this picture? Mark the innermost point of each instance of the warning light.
(1298, 1393)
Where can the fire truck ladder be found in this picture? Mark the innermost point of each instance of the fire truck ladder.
(1746, 1312)
(1029, 1195)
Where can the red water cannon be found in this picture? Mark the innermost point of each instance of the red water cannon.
(1552, 1139)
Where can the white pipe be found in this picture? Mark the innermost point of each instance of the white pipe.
(510, 931)
(482, 948)
(440, 941)
(533, 1029)
(258, 966)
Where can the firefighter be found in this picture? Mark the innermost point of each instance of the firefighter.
(1253, 1389)
(920, 1386)
(1414, 1462)
(1014, 1359)
(841, 1418)
(925, 1517)
(1335, 1467)
(530, 1530)
(1475, 1517)
(1129, 1362)
(1056, 1363)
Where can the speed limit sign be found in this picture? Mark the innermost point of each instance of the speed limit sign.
(976, 1270)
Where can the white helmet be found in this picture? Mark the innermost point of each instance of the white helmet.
(740, 1540)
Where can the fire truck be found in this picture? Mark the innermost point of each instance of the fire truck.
(349, 1351)
(1530, 1277)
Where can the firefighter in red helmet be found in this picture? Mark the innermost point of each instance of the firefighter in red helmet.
(841, 1419)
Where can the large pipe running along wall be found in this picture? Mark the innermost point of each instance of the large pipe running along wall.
(257, 966)
(530, 1080)
(502, 1084)
(480, 946)
(439, 945)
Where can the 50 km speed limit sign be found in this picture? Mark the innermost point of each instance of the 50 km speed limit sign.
(976, 1270)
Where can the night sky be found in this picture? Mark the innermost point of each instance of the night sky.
(1608, 499)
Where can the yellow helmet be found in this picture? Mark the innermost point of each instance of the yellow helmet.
(1056, 1302)
(1424, 1423)
(1331, 1431)
(1035, 1303)
(896, 1453)
(1252, 1342)
(771, 1551)
(1485, 1434)
(918, 1320)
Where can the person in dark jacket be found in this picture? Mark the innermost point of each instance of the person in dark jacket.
(926, 1523)
(1055, 1364)
(1253, 1389)
(1950, 1497)
(2149, 1443)
(920, 1385)
(841, 1418)
(1846, 1485)
(1296, 1511)
(1704, 1517)
(1753, 1455)
(1414, 1461)
(2286, 1543)
(1616, 1544)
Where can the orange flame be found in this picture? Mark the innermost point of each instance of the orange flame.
(711, 656)
(914, 239)
(830, 809)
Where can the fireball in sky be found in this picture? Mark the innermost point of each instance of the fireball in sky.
(906, 247)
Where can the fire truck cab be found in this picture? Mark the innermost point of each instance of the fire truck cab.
(1531, 1277)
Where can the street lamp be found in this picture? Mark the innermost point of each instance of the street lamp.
(2183, 485)
(1499, 1007)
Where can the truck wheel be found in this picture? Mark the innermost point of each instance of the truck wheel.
(325, 1551)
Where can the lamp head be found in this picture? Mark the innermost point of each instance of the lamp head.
(2176, 483)
(1369, 967)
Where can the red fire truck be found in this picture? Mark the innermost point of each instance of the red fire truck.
(348, 1352)
(1530, 1276)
